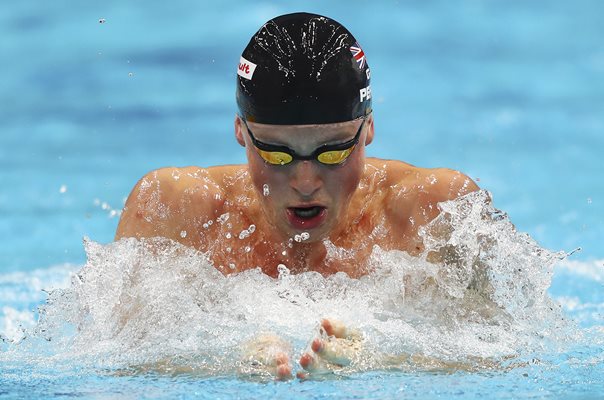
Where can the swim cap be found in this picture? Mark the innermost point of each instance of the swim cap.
(303, 69)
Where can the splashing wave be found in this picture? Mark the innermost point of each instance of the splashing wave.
(477, 292)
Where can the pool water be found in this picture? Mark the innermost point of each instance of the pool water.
(96, 95)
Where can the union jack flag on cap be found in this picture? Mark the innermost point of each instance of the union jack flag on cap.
(358, 54)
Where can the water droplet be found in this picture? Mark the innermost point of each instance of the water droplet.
(223, 218)
(265, 190)
(251, 228)
(210, 222)
(102, 20)
(183, 234)
(298, 238)
(130, 74)
(228, 235)
(105, 206)
(62, 189)
(205, 226)
(589, 200)
(305, 235)
(113, 213)
(283, 270)
(232, 266)
(248, 249)
(228, 249)
(175, 175)
(284, 252)
(243, 234)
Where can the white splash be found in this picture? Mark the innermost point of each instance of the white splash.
(478, 291)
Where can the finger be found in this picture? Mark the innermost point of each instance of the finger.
(302, 375)
(284, 372)
(334, 327)
(313, 364)
(267, 355)
(340, 352)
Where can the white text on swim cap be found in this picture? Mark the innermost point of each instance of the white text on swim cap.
(365, 93)
(246, 68)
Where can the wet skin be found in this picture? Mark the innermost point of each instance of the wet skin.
(335, 346)
(349, 207)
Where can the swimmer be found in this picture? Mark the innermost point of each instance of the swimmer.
(307, 198)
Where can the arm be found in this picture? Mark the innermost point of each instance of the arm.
(414, 197)
(440, 185)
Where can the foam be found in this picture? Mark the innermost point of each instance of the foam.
(145, 302)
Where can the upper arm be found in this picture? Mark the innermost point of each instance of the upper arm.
(416, 200)
(168, 201)
(451, 184)
(440, 185)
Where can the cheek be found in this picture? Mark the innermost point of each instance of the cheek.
(264, 179)
(345, 180)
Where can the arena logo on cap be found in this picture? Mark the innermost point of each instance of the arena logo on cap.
(246, 68)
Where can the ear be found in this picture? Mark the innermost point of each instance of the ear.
(238, 132)
(370, 130)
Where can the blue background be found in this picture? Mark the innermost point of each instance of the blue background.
(509, 92)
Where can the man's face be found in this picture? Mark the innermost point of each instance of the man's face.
(305, 195)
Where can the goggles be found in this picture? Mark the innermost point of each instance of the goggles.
(328, 154)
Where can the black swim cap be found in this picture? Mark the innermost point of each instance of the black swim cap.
(303, 69)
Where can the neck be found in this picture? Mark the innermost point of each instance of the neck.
(306, 257)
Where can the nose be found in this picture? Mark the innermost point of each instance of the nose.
(305, 178)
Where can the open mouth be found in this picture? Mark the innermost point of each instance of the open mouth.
(307, 212)
(306, 217)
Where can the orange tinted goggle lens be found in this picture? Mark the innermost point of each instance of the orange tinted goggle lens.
(334, 156)
(275, 157)
(331, 157)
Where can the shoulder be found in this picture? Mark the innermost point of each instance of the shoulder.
(412, 189)
(441, 183)
(171, 185)
(165, 200)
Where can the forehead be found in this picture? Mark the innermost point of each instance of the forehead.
(299, 135)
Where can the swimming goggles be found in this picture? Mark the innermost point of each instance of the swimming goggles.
(329, 154)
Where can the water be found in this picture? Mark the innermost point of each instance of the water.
(89, 107)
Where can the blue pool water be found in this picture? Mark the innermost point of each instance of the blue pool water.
(510, 92)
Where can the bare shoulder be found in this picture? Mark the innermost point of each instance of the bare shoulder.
(165, 202)
(443, 184)
(417, 191)
(440, 183)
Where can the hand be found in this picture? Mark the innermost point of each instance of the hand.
(266, 356)
(337, 346)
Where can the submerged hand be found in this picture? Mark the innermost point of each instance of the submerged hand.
(266, 356)
(336, 347)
